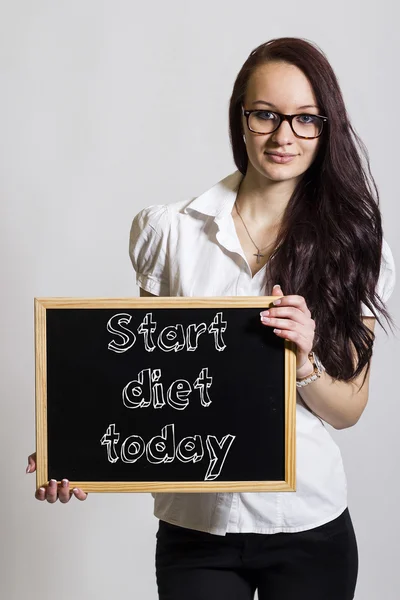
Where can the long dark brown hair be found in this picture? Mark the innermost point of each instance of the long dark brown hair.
(329, 245)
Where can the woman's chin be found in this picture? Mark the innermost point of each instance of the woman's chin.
(279, 174)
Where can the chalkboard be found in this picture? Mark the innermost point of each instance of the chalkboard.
(163, 394)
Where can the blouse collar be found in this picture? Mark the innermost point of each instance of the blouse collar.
(218, 200)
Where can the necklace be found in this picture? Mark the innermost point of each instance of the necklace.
(259, 250)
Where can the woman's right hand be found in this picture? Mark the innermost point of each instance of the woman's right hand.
(52, 492)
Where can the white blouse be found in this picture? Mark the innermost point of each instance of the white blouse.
(191, 248)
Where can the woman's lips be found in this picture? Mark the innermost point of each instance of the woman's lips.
(280, 159)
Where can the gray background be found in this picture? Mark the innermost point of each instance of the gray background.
(110, 106)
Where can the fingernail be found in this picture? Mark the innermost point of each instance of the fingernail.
(42, 490)
(53, 481)
(28, 469)
(264, 313)
(75, 490)
(276, 286)
(64, 483)
(276, 302)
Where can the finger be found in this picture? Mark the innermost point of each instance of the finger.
(31, 463)
(277, 290)
(80, 494)
(51, 492)
(305, 329)
(301, 342)
(296, 301)
(64, 493)
(287, 312)
(40, 494)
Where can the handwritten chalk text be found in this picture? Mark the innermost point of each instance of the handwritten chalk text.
(164, 449)
(171, 338)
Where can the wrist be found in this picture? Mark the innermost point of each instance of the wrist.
(304, 379)
(305, 370)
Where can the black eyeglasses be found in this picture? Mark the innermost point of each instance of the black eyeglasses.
(304, 125)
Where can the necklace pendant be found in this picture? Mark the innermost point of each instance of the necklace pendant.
(258, 255)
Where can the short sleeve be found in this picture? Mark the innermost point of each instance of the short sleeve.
(148, 249)
(387, 278)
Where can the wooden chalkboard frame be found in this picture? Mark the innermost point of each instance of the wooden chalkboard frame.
(263, 302)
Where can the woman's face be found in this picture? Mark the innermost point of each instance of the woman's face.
(280, 87)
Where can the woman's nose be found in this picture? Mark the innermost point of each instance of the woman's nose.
(284, 134)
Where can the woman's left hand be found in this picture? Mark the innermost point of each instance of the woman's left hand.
(292, 320)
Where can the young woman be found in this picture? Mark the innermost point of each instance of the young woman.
(301, 210)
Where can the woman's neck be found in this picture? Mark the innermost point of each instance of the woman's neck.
(261, 200)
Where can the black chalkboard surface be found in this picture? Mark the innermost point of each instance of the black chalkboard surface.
(163, 394)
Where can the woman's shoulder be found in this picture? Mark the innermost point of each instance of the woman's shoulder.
(208, 202)
(154, 217)
(159, 216)
(387, 255)
(387, 277)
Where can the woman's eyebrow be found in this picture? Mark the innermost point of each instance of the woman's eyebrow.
(273, 105)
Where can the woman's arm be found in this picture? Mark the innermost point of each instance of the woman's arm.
(339, 403)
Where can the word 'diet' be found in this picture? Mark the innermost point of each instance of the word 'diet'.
(146, 390)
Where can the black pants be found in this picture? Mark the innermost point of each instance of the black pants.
(318, 564)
